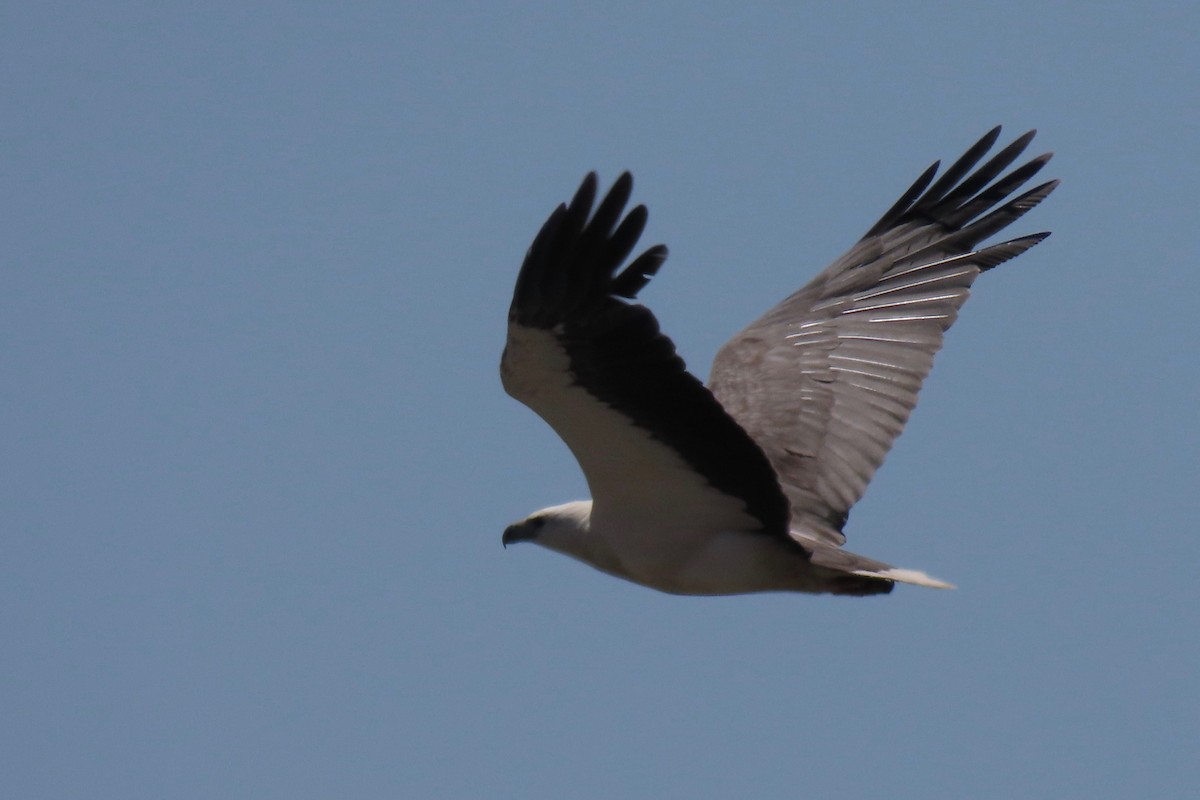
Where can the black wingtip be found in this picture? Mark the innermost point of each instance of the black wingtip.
(635, 276)
(586, 187)
(997, 254)
(901, 206)
(575, 260)
(966, 190)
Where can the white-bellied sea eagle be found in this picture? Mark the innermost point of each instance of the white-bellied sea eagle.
(745, 485)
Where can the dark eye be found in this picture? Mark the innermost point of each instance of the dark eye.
(536, 523)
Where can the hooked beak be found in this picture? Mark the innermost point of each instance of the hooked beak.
(520, 532)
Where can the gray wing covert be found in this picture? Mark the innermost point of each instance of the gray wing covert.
(825, 381)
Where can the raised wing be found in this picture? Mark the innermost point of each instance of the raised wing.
(826, 380)
(651, 439)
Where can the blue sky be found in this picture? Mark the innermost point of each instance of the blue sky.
(256, 264)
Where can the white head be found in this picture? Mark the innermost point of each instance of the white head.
(566, 529)
(561, 528)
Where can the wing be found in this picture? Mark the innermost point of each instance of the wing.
(651, 439)
(826, 380)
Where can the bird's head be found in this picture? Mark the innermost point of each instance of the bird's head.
(563, 528)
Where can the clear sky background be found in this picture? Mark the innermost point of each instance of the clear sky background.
(256, 262)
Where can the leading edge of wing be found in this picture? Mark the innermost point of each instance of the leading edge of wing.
(572, 287)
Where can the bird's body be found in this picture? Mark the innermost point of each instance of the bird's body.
(744, 486)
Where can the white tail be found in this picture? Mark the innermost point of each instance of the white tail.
(913, 576)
